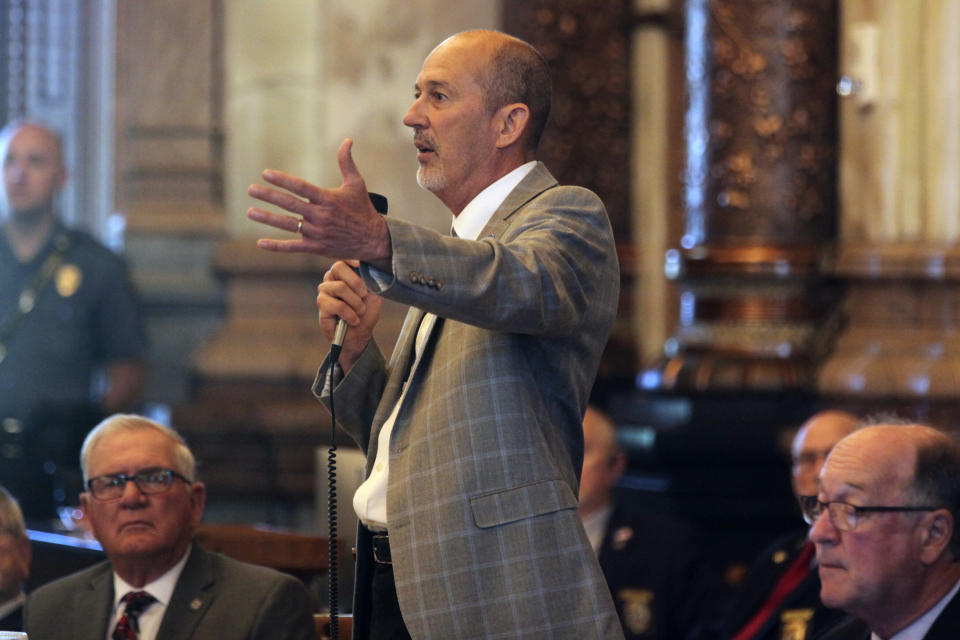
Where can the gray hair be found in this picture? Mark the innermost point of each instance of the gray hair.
(936, 478)
(124, 422)
(517, 73)
(11, 517)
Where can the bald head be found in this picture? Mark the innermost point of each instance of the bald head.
(510, 71)
(33, 171)
(913, 462)
(814, 440)
(897, 558)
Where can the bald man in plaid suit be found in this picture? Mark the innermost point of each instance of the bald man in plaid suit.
(473, 428)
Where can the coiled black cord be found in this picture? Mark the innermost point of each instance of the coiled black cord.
(332, 573)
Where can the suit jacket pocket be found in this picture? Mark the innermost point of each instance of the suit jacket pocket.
(510, 505)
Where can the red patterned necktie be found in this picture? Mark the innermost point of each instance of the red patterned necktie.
(128, 627)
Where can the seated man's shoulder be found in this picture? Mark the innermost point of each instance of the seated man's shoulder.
(69, 584)
(231, 569)
(258, 583)
(275, 603)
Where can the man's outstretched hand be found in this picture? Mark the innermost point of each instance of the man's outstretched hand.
(337, 223)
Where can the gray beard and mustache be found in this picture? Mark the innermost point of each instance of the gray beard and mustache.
(431, 179)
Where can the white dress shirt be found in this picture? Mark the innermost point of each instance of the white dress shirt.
(595, 525)
(370, 499)
(161, 589)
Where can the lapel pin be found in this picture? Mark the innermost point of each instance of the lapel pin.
(196, 603)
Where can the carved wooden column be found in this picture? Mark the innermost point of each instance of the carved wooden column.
(759, 194)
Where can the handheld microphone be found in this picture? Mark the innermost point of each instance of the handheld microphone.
(380, 204)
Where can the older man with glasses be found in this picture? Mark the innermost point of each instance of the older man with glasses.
(143, 504)
(884, 525)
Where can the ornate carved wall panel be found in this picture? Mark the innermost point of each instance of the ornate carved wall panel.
(759, 191)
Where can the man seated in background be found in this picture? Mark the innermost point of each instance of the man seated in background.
(780, 596)
(884, 522)
(650, 564)
(143, 504)
(14, 562)
(68, 313)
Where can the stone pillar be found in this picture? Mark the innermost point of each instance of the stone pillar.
(759, 195)
(587, 140)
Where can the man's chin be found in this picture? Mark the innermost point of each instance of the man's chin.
(432, 182)
(832, 596)
(136, 545)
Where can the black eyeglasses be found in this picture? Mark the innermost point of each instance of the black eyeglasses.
(843, 515)
(148, 481)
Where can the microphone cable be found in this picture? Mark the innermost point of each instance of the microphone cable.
(380, 204)
(333, 559)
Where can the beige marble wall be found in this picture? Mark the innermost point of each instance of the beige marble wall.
(650, 180)
(303, 75)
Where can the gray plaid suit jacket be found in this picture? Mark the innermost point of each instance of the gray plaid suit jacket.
(486, 452)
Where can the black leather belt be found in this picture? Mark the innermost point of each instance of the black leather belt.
(381, 549)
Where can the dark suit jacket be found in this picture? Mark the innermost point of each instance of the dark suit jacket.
(945, 627)
(13, 621)
(216, 598)
(652, 568)
(802, 607)
(486, 450)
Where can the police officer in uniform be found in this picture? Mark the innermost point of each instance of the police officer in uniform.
(652, 565)
(67, 314)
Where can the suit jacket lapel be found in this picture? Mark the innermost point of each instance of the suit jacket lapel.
(191, 597)
(91, 607)
(532, 185)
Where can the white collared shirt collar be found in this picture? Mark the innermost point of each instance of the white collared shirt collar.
(595, 525)
(161, 589)
(917, 630)
(477, 213)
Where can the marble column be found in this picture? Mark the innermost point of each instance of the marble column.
(759, 195)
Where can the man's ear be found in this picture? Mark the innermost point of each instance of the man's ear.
(936, 533)
(512, 121)
(198, 500)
